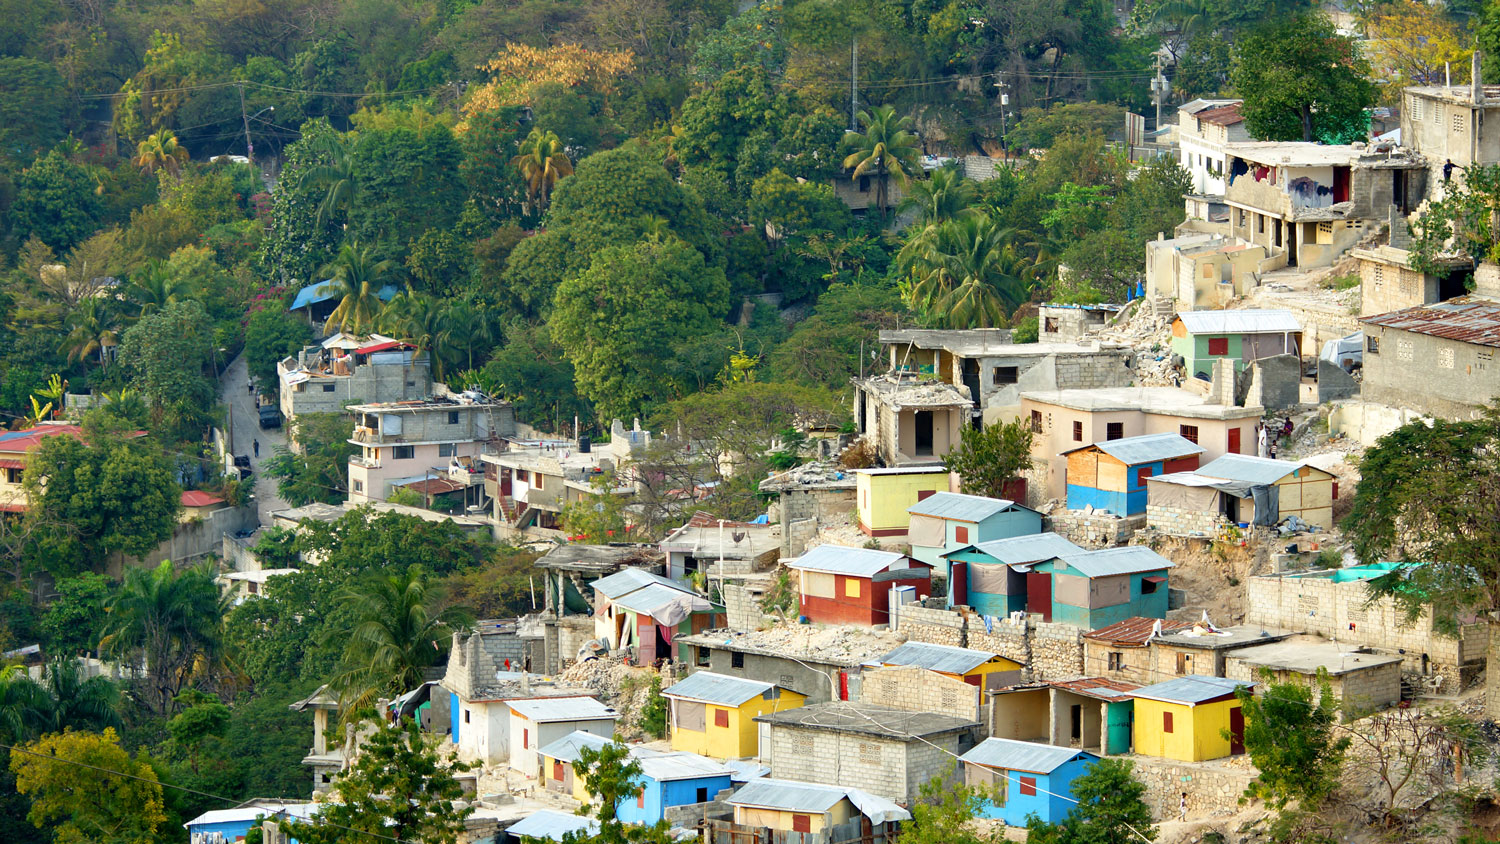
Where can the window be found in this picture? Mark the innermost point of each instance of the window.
(452, 417)
(801, 823)
(1036, 421)
(640, 799)
(1260, 223)
(703, 656)
(1218, 345)
(1050, 326)
(1141, 474)
(327, 388)
(1335, 490)
(466, 716)
(1116, 660)
(525, 738)
(1416, 108)
(1077, 432)
(1149, 585)
(447, 449)
(864, 184)
(1006, 375)
(359, 486)
(721, 717)
(737, 660)
(1184, 663)
(851, 587)
(1028, 786)
(253, 589)
(869, 753)
(924, 494)
(1233, 441)
(961, 533)
(1166, 722)
(1372, 345)
(403, 452)
(1458, 123)
(1189, 433)
(557, 771)
(702, 796)
(1114, 431)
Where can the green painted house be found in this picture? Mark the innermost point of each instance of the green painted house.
(1202, 337)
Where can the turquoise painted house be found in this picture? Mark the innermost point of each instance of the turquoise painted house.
(990, 576)
(1049, 576)
(1025, 778)
(948, 521)
(1112, 475)
(1245, 336)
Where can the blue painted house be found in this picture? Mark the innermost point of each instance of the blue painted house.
(1027, 778)
(1112, 475)
(226, 826)
(672, 779)
(1092, 589)
(990, 576)
(947, 521)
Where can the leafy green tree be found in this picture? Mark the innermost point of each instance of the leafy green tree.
(68, 778)
(320, 471)
(154, 286)
(166, 354)
(55, 202)
(489, 146)
(203, 718)
(945, 813)
(467, 331)
(32, 106)
(943, 196)
(885, 150)
(438, 262)
(1302, 81)
(161, 151)
(25, 708)
(76, 703)
(389, 214)
(988, 459)
(794, 208)
(272, 335)
(1464, 222)
(1290, 738)
(73, 618)
(360, 277)
(300, 240)
(1039, 128)
(92, 330)
(174, 619)
(609, 775)
(617, 322)
(1110, 809)
(399, 788)
(825, 349)
(533, 372)
(966, 273)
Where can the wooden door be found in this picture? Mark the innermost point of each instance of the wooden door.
(958, 582)
(1234, 441)
(1039, 594)
(1236, 730)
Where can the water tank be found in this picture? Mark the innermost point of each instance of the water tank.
(585, 445)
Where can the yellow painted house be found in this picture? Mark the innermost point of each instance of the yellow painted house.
(788, 806)
(883, 495)
(1185, 719)
(971, 666)
(713, 715)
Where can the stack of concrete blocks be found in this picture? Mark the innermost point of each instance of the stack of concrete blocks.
(1316, 604)
(1094, 530)
(1175, 521)
(1045, 650)
(1092, 370)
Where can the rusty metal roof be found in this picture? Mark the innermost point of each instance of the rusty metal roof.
(1135, 631)
(1466, 319)
(1097, 687)
(1223, 115)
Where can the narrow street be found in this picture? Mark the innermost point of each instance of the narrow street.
(244, 429)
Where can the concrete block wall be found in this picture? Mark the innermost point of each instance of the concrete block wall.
(1093, 370)
(828, 758)
(796, 535)
(1094, 530)
(1210, 790)
(941, 627)
(1178, 522)
(1358, 692)
(742, 608)
(1046, 651)
(920, 690)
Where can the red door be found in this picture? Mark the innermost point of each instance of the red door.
(1236, 730)
(958, 576)
(1234, 440)
(1039, 594)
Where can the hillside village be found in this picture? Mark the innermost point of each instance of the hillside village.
(568, 429)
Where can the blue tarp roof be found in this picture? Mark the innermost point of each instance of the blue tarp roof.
(327, 289)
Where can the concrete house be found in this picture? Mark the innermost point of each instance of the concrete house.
(227, 826)
(1387, 281)
(1361, 680)
(977, 668)
(1147, 650)
(536, 722)
(1027, 779)
(1308, 203)
(911, 420)
(813, 811)
(634, 608)
(725, 546)
(1121, 651)
(764, 655)
(531, 481)
(887, 751)
(1094, 714)
(1185, 719)
(1112, 475)
(1202, 271)
(344, 370)
(1204, 129)
(1244, 336)
(843, 585)
(325, 759)
(714, 714)
(1066, 419)
(991, 576)
(1064, 323)
(883, 496)
(1451, 123)
(1095, 588)
(402, 443)
(948, 521)
(1437, 359)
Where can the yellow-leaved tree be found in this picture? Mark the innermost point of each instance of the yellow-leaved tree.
(519, 70)
(1411, 41)
(67, 776)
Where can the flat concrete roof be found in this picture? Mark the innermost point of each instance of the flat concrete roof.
(982, 342)
(1308, 154)
(1307, 657)
(1228, 637)
(903, 391)
(1166, 400)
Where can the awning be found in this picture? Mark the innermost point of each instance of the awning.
(1154, 579)
(12, 464)
(378, 347)
(291, 379)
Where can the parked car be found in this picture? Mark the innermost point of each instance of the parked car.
(270, 417)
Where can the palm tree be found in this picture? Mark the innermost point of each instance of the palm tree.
(25, 708)
(466, 327)
(543, 163)
(172, 619)
(154, 287)
(91, 329)
(419, 320)
(335, 176)
(966, 273)
(945, 196)
(160, 152)
(78, 703)
(399, 631)
(885, 150)
(360, 278)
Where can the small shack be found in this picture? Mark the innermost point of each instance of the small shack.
(714, 714)
(1094, 588)
(550, 825)
(1363, 681)
(1243, 336)
(948, 521)
(537, 722)
(843, 585)
(1121, 651)
(977, 668)
(814, 810)
(990, 577)
(1186, 718)
(637, 609)
(1301, 489)
(1024, 778)
(671, 779)
(557, 763)
(882, 496)
(1112, 475)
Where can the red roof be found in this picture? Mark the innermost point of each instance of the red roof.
(12, 508)
(1135, 631)
(1092, 686)
(1465, 319)
(379, 347)
(20, 442)
(434, 486)
(199, 498)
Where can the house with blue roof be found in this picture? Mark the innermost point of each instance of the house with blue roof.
(947, 521)
(1025, 778)
(990, 576)
(1112, 475)
(321, 298)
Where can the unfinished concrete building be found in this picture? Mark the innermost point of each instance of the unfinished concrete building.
(1387, 281)
(1451, 124)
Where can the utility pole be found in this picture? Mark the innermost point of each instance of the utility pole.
(1004, 103)
(1158, 90)
(854, 84)
(245, 119)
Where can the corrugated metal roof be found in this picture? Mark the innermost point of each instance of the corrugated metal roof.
(964, 508)
(717, 688)
(626, 581)
(651, 600)
(1147, 448)
(1465, 319)
(1111, 561)
(1027, 756)
(1135, 631)
(1021, 550)
(566, 748)
(552, 825)
(1192, 689)
(1254, 470)
(301, 811)
(543, 710)
(1270, 321)
(841, 559)
(678, 765)
(1098, 687)
(945, 658)
(787, 796)
(1228, 115)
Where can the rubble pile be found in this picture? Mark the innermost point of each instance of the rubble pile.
(621, 686)
(826, 643)
(1149, 334)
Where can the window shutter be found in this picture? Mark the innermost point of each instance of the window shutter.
(1166, 722)
(801, 823)
(1028, 786)
(721, 717)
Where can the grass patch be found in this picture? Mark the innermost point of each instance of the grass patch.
(1340, 282)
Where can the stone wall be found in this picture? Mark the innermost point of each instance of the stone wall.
(1046, 651)
(1094, 530)
(919, 690)
(1211, 788)
(1178, 522)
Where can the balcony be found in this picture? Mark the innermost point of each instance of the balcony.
(365, 462)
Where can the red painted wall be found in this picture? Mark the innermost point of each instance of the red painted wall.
(1181, 464)
(871, 607)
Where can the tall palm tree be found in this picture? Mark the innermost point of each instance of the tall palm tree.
(25, 707)
(543, 163)
(335, 176)
(154, 287)
(885, 150)
(946, 195)
(399, 631)
(360, 278)
(419, 320)
(465, 329)
(966, 272)
(160, 151)
(173, 619)
(78, 703)
(92, 329)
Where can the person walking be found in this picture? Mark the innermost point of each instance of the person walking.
(256, 446)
